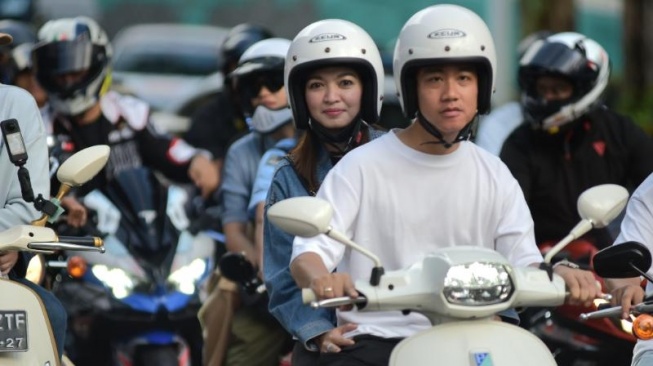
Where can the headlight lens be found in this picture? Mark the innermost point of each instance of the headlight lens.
(186, 277)
(120, 283)
(477, 284)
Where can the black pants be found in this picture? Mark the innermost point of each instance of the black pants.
(303, 357)
(367, 351)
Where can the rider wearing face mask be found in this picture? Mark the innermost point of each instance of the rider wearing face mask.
(334, 78)
(571, 141)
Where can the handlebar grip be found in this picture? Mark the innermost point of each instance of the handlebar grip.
(90, 241)
(308, 296)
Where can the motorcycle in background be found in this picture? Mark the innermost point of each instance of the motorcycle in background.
(137, 304)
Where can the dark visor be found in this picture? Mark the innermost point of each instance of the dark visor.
(65, 56)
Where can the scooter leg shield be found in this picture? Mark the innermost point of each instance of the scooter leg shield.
(41, 349)
(471, 343)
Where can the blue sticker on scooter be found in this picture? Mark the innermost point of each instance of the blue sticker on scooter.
(482, 359)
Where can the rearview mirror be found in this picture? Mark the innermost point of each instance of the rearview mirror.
(75, 171)
(597, 207)
(629, 259)
(83, 165)
(602, 204)
(302, 216)
(310, 216)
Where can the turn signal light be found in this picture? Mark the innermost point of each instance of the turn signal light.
(77, 266)
(643, 327)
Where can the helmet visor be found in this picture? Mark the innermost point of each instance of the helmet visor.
(555, 59)
(66, 56)
(52, 60)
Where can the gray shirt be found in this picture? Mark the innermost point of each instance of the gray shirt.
(19, 104)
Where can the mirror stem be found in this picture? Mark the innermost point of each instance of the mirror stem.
(377, 271)
(53, 205)
(578, 231)
(643, 274)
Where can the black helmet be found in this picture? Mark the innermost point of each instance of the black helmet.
(237, 41)
(577, 59)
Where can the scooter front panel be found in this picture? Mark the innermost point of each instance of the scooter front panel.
(473, 343)
(41, 347)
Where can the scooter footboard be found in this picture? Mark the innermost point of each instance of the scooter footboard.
(473, 343)
(23, 323)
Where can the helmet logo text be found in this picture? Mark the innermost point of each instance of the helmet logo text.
(447, 33)
(327, 37)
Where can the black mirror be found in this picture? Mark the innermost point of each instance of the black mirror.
(236, 268)
(630, 259)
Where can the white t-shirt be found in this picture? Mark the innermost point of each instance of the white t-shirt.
(402, 204)
(637, 226)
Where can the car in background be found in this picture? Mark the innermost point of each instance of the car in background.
(167, 64)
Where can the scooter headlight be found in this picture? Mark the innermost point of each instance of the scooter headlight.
(185, 278)
(477, 284)
(119, 281)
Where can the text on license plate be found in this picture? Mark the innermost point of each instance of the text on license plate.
(13, 330)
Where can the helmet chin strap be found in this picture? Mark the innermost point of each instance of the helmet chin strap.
(463, 134)
(350, 136)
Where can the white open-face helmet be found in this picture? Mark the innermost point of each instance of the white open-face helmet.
(70, 45)
(443, 34)
(333, 42)
(574, 57)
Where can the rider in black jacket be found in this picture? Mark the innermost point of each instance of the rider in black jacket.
(72, 62)
(572, 141)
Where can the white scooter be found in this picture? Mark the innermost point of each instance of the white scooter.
(458, 288)
(26, 337)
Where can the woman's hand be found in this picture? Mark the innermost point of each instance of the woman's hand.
(331, 341)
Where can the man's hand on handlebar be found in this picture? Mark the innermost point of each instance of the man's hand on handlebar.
(581, 285)
(334, 285)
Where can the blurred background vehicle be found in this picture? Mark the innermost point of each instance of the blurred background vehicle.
(165, 63)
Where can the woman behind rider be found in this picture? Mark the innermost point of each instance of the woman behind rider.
(334, 80)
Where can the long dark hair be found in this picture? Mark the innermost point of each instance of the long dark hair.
(304, 157)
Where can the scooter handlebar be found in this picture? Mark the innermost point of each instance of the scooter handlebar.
(615, 312)
(309, 297)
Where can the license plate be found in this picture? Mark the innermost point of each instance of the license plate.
(13, 331)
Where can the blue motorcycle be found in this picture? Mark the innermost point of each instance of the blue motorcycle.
(137, 303)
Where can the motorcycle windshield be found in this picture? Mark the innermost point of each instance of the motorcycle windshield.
(144, 227)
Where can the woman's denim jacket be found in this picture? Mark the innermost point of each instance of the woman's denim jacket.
(302, 321)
